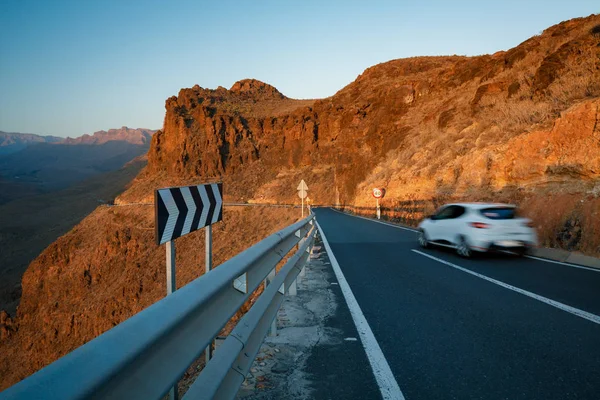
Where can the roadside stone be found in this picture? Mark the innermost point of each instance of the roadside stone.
(301, 320)
(280, 368)
(247, 382)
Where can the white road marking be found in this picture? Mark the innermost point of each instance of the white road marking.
(379, 222)
(563, 263)
(575, 311)
(350, 339)
(383, 374)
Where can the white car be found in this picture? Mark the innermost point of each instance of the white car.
(481, 227)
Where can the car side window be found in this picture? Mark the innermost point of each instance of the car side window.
(444, 213)
(450, 212)
(458, 211)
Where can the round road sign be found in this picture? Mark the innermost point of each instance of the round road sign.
(378, 193)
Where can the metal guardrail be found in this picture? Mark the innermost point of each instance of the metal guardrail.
(145, 355)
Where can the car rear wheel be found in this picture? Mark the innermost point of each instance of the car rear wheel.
(463, 248)
(423, 240)
(521, 252)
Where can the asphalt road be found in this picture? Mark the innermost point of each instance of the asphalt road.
(448, 334)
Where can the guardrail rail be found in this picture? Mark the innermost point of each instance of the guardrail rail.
(147, 354)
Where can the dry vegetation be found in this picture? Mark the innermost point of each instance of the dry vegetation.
(266, 108)
(527, 134)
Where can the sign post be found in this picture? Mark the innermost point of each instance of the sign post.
(182, 210)
(302, 193)
(208, 266)
(378, 193)
(171, 284)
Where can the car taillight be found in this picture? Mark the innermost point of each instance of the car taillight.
(528, 224)
(479, 225)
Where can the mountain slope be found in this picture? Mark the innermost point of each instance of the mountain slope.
(421, 112)
(28, 226)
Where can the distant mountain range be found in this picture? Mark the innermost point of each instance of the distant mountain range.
(34, 164)
(11, 142)
(125, 134)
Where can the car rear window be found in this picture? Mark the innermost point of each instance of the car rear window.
(499, 212)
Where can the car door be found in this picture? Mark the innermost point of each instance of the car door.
(454, 225)
(438, 227)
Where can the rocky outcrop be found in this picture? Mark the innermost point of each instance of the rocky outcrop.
(436, 117)
(256, 90)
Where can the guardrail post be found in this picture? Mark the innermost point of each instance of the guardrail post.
(270, 277)
(292, 290)
(302, 272)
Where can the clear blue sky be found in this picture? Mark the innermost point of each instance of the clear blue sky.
(74, 67)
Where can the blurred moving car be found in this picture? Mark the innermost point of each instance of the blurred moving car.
(481, 227)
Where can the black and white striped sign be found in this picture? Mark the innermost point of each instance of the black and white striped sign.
(182, 210)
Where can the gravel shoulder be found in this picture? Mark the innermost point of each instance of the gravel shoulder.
(316, 353)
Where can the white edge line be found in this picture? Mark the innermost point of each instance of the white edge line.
(575, 311)
(564, 263)
(415, 230)
(383, 374)
(374, 220)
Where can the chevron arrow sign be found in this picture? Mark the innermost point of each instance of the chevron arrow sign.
(186, 209)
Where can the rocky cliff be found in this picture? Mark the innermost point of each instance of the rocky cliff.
(421, 127)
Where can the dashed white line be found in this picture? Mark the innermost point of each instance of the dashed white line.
(575, 311)
(383, 374)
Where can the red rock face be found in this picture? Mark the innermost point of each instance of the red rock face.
(222, 133)
(256, 90)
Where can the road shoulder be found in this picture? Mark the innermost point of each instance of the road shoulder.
(317, 353)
